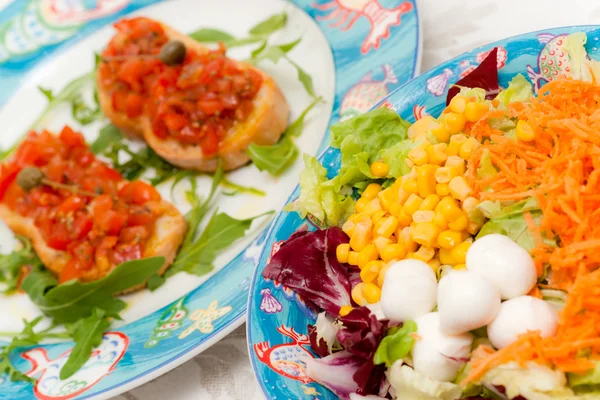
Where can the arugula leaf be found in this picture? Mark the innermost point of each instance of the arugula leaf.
(108, 136)
(83, 113)
(87, 335)
(241, 189)
(274, 158)
(207, 35)
(278, 157)
(304, 78)
(155, 281)
(270, 25)
(71, 301)
(11, 264)
(258, 50)
(47, 92)
(198, 257)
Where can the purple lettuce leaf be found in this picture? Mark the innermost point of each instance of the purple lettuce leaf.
(307, 264)
(319, 348)
(336, 372)
(485, 76)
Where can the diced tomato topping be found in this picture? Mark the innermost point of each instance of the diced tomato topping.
(206, 89)
(139, 192)
(102, 228)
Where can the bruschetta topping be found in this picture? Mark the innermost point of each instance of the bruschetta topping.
(194, 102)
(79, 204)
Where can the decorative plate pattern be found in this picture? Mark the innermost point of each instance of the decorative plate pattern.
(375, 46)
(275, 334)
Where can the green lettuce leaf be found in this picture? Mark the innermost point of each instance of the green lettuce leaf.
(509, 220)
(409, 384)
(582, 68)
(396, 344)
(369, 137)
(319, 196)
(589, 382)
(395, 157)
(519, 89)
(486, 168)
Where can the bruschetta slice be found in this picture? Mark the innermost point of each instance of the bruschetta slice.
(82, 217)
(191, 104)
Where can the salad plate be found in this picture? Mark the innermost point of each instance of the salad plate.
(364, 50)
(280, 322)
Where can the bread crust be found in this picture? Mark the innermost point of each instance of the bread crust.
(264, 126)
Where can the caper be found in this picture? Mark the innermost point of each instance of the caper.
(173, 52)
(29, 178)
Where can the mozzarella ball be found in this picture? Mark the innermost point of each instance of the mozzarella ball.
(466, 301)
(437, 355)
(519, 315)
(505, 264)
(409, 290)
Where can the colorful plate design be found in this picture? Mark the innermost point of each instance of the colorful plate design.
(277, 317)
(376, 48)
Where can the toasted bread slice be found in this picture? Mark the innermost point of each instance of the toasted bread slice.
(168, 233)
(263, 126)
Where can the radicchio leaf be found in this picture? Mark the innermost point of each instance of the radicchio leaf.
(485, 76)
(307, 264)
(335, 372)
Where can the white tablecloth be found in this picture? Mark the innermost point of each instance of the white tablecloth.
(449, 28)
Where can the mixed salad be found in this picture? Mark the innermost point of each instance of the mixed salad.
(458, 256)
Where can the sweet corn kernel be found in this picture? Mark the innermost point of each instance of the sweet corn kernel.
(426, 180)
(353, 258)
(446, 257)
(348, 227)
(442, 189)
(468, 147)
(437, 153)
(456, 165)
(454, 122)
(409, 185)
(449, 239)
(424, 254)
(469, 204)
(458, 104)
(440, 132)
(418, 155)
(395, 210)
(357, 294)
(369, 253)
(449, 208)
(371, 191)
(371, 271)
(459, 253)
(435, 264)
(412, 204)
(371, 293)
(362, 233)
(423, 216)
(341, 252)
(430, 202)
(394, 251)
(440, 221)
(420, 127)
(459, 188)
(475, 111)
(360, 204)
(455, 142)
(460, 267)
(388, 227)
(380, 169)
(381, 276)
(345, 310)
(444, 174)
(386, 198)
(404, 219)
(524, 131)
(380, 242)
(459, 224)
(375, 218)
(372, 207)
(424, 233)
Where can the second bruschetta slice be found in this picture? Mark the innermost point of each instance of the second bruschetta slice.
(81, 216)
(191, 104)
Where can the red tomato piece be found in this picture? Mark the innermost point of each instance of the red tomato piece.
(8, 173)
(134, 105)
(71, 204)
(134, 234)
(139, 215)
(175, 122)
(138, 192)
(71, 138)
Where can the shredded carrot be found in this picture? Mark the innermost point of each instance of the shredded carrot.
(560, 168)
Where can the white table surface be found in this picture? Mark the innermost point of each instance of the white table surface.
(449, 28)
